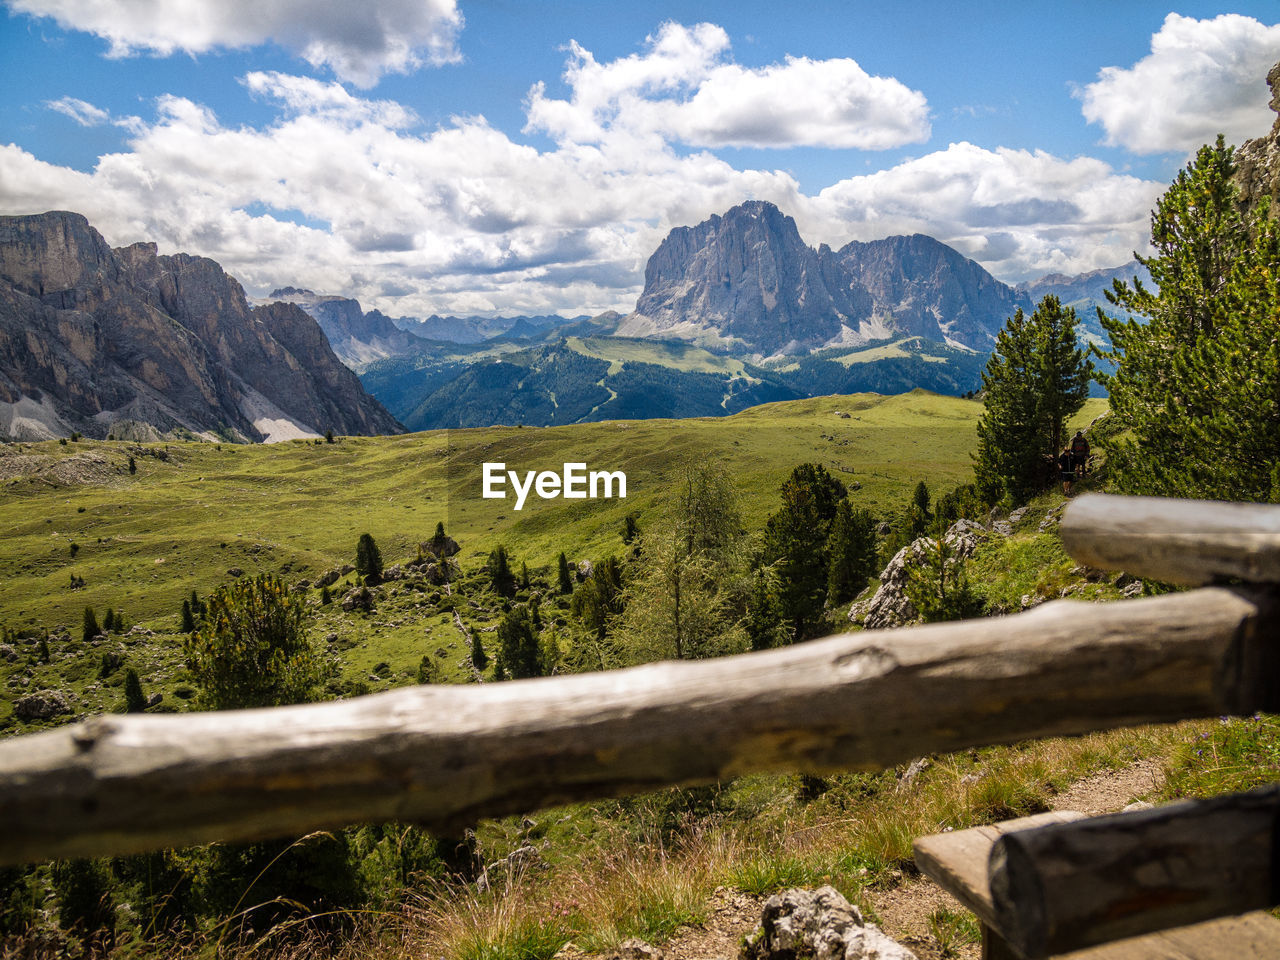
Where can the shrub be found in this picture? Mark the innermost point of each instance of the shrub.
(251, 648)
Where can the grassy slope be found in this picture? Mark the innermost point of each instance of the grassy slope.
(690, 359)
(147, 540)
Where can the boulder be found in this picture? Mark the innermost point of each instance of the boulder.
(327, 579)
(42, 705)
(820, 924)
(441, 548)
(890, 607)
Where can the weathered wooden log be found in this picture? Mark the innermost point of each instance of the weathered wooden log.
(444, 756)
(1191, 542)
(1066, 886)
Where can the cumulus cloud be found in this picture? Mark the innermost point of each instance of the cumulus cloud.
(359, 42)
(1202, 78)
(683, 88)
(1020, 213)
(347, 194)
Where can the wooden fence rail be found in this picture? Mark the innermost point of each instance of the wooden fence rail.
(444, 756)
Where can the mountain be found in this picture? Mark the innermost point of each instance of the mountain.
(1258, 160)
(358, 338)
(920, 287)
(747, 283)
(480, 329)
(127, 342)
(581, 379)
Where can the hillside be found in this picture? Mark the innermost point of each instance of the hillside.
(586, 378)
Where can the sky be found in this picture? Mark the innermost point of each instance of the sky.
(526, 157)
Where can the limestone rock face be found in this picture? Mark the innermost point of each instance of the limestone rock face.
(358, 338)
(820, 924)
(747, 281)
(120, 341)
(1258, 160)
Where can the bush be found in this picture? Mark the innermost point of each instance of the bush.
(251, 648)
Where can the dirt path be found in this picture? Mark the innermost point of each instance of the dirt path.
(906, 910)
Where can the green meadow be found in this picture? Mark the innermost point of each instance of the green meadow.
(82, 531)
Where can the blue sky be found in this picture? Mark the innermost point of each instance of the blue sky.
(506, 157)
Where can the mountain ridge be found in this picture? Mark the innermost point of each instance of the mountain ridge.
(130, 343)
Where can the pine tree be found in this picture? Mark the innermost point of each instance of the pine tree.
(630, 528)
(479, 659)
(766, 624)
(524, 575)
(852, 549)
(109, 621)
(1196, 388)
(499, 570)
(938, 588)
(1036, 379)
(518, 641)
(90, 627)
(566, 577)
(368, 559)
(135, 701)
(188, 620)
(251, 648)
(796, 540)
(43, 652)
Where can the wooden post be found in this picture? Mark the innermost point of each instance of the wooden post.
(1065, 886)
(1191, 542)
(447, 755)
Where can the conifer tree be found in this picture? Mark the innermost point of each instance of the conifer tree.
(766, 624)
(518, 643)
(368, 559)
(1037, 377)
(499, 569)
(479, 659)
(566, 578)
(43, 652)
(90, 628)
(135, 701)
(852, 549)
(938, 588)
(109, 621)
(251, 648)
(1197, 381)
(796, 541)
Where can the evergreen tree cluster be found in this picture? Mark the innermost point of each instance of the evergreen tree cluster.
(1196, 389)
(1037, 377)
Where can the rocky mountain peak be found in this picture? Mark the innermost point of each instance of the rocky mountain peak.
(746, 280)
(133, 343)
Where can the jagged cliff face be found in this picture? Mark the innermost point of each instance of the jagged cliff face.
(1258, 160)
(747, 281)
(131, 343)
(747, 278)
(358, 338)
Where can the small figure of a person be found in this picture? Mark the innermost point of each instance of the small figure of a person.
(1066, 470)
(1080, 452)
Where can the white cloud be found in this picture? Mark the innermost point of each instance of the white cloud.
(1202, 78)
(683, 89)
(1020, 213)
(359, 41)
(85, 114)
(346, 194)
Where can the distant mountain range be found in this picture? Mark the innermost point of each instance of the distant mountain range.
(124, 342)
(735, 311)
